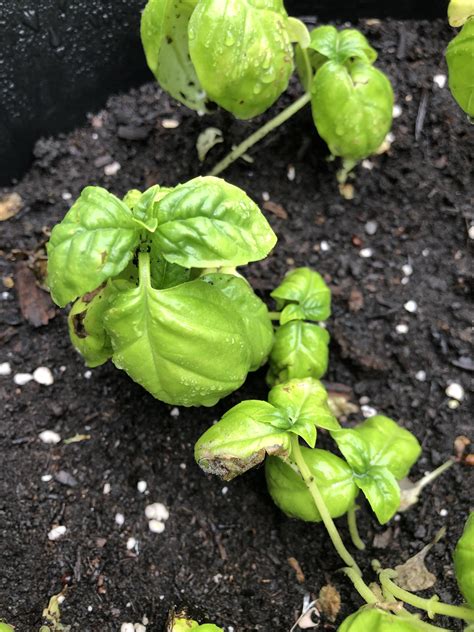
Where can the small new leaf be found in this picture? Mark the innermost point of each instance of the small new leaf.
(242, 439)
(300, 350)
(304, 295)
(305, 404)
(341, 46)
(381, 489)
(95, 241)
(209, 223)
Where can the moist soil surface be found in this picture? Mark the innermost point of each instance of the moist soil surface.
(224, 553)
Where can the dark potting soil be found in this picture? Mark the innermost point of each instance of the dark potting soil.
(224, 552)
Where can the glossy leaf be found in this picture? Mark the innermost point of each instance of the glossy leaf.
(163, 340)
(95, 241)
(390, 445)
(460, 58)
(341, 46)
(241, 440)
(164, 33)
(352, 108)
(290, 493)
(464, 561)
(305, 402)
(209, 223)
(300, 350)
(253, 312)
(371, 619)
(459, 12)
(381, 489)
(380, 452)
(303, 295)
(242, 53)
(144, 208)
(86, 326)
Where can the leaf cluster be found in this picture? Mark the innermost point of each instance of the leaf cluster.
(155, 288)
(377, 453)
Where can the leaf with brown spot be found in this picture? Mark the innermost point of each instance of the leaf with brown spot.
(35, 304)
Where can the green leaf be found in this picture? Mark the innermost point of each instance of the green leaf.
(95, 241)
(252, 310)
(459, 12)
(305, 404)
(242, 53)
(371, 619)
(464, 561)
(380, 452)
(164, 33)
(290, 493)
(390, 445)
(300, 350)
(241, 440)
(208, 223)
(341, 46)
(86, 326)
(381, 489)
(352, 108)
(304, 295)
(460, 58)
(144, 209)
(298, 32)
(186, 344)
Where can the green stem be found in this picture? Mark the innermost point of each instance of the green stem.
(353, 530)
(261, 133)
(431, 606)
(361, 587)
(274, 315)
(321, 505)
(144, 268)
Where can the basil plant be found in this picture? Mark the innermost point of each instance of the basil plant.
(351, 100)
(155, 290)
(375, 454)
(241, 55)
(460, 54)
(237, 54)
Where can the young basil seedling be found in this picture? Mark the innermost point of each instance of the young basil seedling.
(464, 561)
(152, 295)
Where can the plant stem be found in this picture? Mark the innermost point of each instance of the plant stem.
(432, 606)
(353, 530)
(261, 133)
(361, 587)
(321, 505)
(144, 268)
(429, 478)
(274, 315)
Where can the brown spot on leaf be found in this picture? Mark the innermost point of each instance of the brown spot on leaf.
(78, 325)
